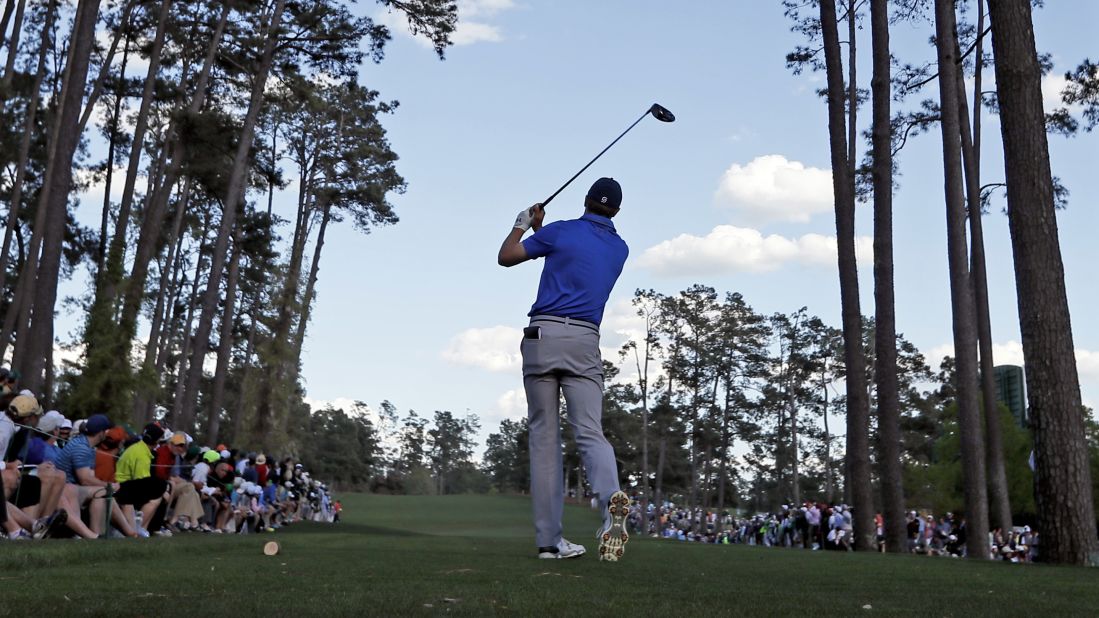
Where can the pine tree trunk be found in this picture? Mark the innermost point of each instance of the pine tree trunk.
(829, 482)
(999, 502)
(311, 284)
(796, 478)
(225, 344)
(107, 380)
(858, 413)
(13, 48)
(724, 473)
(39, 344)
(885, 328)
(661, 457)
(157, 203)
(105, 214)
(16, 201)
(5, 20)
(123, 31)
(168, 282)
(1066, 518)
(643, 378)
(961, 289)
(234, 195)
(117, 252)
(186, 337)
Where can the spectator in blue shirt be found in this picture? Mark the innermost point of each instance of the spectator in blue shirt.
(77, 461)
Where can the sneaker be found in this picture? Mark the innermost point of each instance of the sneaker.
(48, 526)
(562, 550)
(163, 532)
(142, 532)
(20, 535)
(612, 535)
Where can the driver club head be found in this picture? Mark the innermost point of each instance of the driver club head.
(661, 113)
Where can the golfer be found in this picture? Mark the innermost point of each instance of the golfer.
(560, 348)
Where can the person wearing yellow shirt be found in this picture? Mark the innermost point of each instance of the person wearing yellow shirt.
(138, 488)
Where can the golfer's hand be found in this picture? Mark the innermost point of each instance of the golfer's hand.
(524, 219)
(530, 217)
(537, 215)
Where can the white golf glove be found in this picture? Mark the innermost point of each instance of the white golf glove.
(524, 219)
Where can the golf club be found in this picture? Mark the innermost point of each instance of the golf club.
(659, 112)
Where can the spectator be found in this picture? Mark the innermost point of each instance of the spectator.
(261, 470)
(106, 454)
(44, 446)
(77, 461)
(138, 488)
(34, 490)
(173, 467)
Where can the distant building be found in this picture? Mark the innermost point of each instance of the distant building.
(1011, 391)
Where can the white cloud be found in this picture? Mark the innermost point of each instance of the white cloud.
(729, 249)
(474, 8)
(1052, 85)
(512, 405)
(1087, 364)
(472, 25)
(346, 404)
(1011, 353)
(469, 32)
(495, 348)
(773, 188)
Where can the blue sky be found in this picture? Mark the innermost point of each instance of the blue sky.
(734, 194)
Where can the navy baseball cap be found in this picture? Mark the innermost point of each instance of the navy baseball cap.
(606, 191)
(96, 424)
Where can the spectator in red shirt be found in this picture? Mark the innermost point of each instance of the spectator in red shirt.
(261, 470)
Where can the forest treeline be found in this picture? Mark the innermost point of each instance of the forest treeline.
(719, 406)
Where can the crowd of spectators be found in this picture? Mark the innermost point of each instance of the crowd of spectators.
(819, 526)
(91, 478)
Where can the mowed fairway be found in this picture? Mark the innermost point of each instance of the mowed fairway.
(474, 555)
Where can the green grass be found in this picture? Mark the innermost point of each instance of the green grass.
(474, 555)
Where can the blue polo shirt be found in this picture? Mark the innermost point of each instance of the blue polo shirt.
(78, 453)
(584, 258)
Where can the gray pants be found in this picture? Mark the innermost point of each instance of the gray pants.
(565, 359)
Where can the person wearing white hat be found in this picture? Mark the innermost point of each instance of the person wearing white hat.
(43, 446)
(64, 432)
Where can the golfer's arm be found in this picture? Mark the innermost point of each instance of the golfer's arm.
(512, 251)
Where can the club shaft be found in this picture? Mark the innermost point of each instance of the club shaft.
(575, 176)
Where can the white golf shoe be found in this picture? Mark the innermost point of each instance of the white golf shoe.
(612, 535)
(564, 549)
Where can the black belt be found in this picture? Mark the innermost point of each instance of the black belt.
(566, 321)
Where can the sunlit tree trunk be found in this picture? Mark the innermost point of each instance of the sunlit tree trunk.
(885, 329)
(858, 414)
(961, 289)
(1066, 518)
(999, 502)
